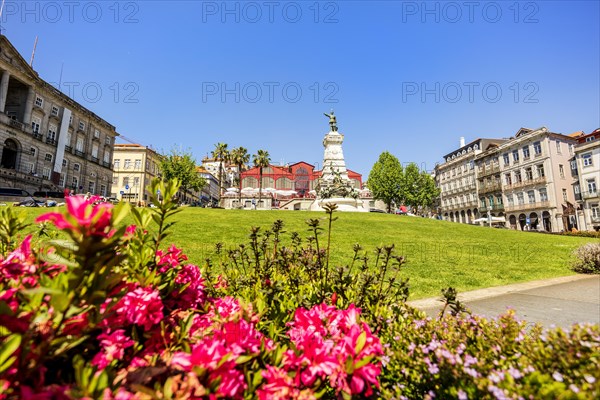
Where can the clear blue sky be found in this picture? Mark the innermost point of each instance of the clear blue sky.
(407, 77)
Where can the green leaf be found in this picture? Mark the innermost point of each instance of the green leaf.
(10, 345)
(360, 342)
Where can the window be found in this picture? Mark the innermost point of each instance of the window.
(558, 148)
(39, 101)
(52, 132)
(510, 199)
(92, 187)
(515, 154)
(32, 151)
(79, 144)
(537, 148)
(591, 184)
(506, 159)
(125, 181)
(564, 193)
(115, 180)
(529, 174)
(540, 170)
(472, 164)
(95, 150)
(127, 163)
(526, 152)
(595, 210)
(65, 162)
(76, 167)
(499, 199)
(138, 164)
(117, 164)
(561, 169)
(81, 125)
(46, 173)
(71, 120)
(587, 159)
(35, 124)
(590, 139)
(107, 156)
(543, 194)
(74, 182)
(68, 141)
(96, 133)
(520, 198)
(54, 111)
(48, 157)
(531, 196)
(576, 189)
(103, 190)
(136, 181)
(107, 140)
(61, 180)
(571, 147)
(518, 178)
(574, 165)
(508, 179)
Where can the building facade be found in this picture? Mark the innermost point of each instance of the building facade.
(456, 178)
(525, 182)
(49, 141)
(587, 162)
(134, 168)
(210, 192)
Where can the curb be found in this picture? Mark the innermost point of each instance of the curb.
(479, 294)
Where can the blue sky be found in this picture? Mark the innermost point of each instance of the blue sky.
(402, 76)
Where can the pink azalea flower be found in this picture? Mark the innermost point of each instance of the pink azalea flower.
(142, 306)
(113, 348)
(83, 216)
(19, 262)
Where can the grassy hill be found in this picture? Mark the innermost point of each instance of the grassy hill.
(438, 253)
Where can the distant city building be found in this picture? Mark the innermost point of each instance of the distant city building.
(281, 185)
(49, 141)
(587, 163)
(134, 168)
(210, 192)
(457, 180)
(525, 182)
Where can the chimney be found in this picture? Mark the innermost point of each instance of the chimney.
(462, 141)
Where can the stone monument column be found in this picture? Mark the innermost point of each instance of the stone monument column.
(4, 89)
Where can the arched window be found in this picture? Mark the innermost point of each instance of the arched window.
(250, 182)
(284, 183)
(302, 181)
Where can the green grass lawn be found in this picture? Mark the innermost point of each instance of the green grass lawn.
(438, 253)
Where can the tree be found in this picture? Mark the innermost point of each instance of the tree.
(182, 166)
(240, 157)
(410, 185)
(419, 187)
(428, 191)
(220, 154)
(385, 180)
(261, 160)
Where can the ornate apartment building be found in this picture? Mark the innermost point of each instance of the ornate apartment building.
(49, 141)
(527, 179)
(457, 179)
(587, 162)
(134, 168)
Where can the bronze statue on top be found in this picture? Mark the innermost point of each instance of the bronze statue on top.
(332, 121)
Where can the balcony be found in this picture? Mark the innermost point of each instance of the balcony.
(16, 124)
(493, 207)
(38, 136)
(596, 219)
(578, 197)
(95, 160)
(527, 206)
(489, 170)
(490, 187)
(79, 153)
(68, 149)
(105, 164)
(51, 141)
(590, 195)
(527, 182)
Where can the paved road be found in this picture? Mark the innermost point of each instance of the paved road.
(560, 301)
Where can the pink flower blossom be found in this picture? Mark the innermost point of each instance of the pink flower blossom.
(83, 216)
(141, 306)
(113, 348)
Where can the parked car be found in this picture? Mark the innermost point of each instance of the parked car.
(49, 194)
(376, 210)
(13, 195)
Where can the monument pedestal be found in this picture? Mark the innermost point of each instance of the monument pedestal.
(343, 203)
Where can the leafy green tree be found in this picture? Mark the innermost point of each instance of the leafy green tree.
(427, 192)
(181, 165)
(221, 154)
(240, 157)
(261, 160)
(385, 180)
(410, 185)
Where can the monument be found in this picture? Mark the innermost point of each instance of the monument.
(334, 186)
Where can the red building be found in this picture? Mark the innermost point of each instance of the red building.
(300, 177)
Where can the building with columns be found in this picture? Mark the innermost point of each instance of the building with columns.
(49, 141)
(587, 162)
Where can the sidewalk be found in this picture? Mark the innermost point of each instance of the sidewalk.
(560, 301)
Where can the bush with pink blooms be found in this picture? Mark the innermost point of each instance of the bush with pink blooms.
(113, 311)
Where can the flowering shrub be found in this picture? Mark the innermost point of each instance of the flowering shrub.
(108, 313)
(105, 310)
(587, 259)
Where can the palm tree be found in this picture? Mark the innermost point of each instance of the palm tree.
(221, 154)
(240, 157)
(261, 160)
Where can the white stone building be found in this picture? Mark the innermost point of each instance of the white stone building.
(587, 193)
